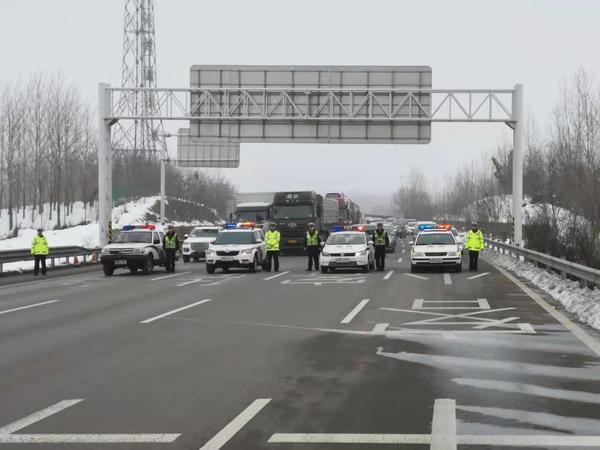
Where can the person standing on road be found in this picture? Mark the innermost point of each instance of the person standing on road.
(171, 247)
(312, 245)
(474, 244)
(381, 240)
(39, 250)
(272, 239)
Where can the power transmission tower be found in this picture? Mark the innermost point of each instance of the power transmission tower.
(139, 71)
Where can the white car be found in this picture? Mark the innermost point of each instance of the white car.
(134, 247)
(460, 238)
(348, 250)
(195, 245)
(237, 247)
(411, 227)
(435, 248)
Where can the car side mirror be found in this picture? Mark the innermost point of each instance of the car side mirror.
(259, 241)
(156, 241)
(371, 243)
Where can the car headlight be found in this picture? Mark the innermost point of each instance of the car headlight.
(186, 246)
(246, 252)
(458, 253)
(210, 252)
(418, 254)
(324, 253)
(138, 250)
(362, 253)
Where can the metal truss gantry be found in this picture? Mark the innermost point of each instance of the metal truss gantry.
(363, 105)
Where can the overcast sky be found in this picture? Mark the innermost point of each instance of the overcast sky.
(468, 44)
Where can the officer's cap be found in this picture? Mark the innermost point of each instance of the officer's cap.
(311, 224)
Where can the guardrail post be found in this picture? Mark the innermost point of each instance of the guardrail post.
(583, 283)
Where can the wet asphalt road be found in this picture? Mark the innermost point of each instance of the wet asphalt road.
(348, 359)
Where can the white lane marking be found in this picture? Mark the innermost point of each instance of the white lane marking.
(500, 322)
(37, 416)
(478, 276)
(169, 276)
(419, 303)
(27, 307)
(399, 260)
(447, 278)
(58, 278)
(443, 426)
(183, 308)
(352, 314)
(380, 328)
(526, 327)
(416, 276)
(403, 250)
(277, 275)
(223, 436)
(590, 342)
(530, 441)
(87, 438)
(323, 438)
(388, 275)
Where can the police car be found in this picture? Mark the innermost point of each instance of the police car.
(238, 245)
(136, 247)
(435, 248)
(348, 250)
(195, 245)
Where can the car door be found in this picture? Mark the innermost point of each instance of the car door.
(262, 247)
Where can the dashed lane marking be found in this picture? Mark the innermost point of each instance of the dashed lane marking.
(388, 275)
(277, 275)
(478, 276)
(352, 314)
(174, 311)
(443, 426)
(20, 308)
(380, 328)
(399, 260)
(230, 430)
(169, 276)
(447, 279)
(416, 276)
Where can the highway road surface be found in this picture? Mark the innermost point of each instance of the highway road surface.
(293, 361)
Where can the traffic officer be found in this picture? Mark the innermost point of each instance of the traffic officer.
(171, 247)
(474, 244)
(39, 250)
(312, 245)
(272, 239)
(381, 240)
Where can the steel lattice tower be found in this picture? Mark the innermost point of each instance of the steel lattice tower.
(139, 71)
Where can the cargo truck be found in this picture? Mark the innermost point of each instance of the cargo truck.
(251, 206)
(293, 211)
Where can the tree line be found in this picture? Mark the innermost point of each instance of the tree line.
(561, 181)
(48, 159)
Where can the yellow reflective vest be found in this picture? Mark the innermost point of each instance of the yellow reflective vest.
(474, 241)
(39, 245)
(272, 239)
(312, 239)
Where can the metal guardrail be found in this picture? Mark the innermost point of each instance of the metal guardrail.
(587, 276)
(17, 255)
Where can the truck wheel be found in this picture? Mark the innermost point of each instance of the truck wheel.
(148, 265)
(253, 264)
(186, 259)
(324, 269)
(210, 268)
(109, 269)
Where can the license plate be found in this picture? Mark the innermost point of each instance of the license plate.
(120, 261)
(292, 241)
(227, 258)
(437, 260)
(342, 260)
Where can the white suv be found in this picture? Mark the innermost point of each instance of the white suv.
(348, 250)
(196, 244)
(135, 247)
(435, 248)
(237, 247)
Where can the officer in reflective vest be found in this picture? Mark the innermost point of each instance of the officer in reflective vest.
(39, 250)
(171, 247)
(312, 245)
(474, 244)
(381, 240)
(272, 239)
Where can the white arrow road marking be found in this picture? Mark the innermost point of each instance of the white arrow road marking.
(388, 275)
(7, 436)
(352, 314)
(27, 306)
(277, 275)
(223, 436)
(478, 276)
(183, 308)
(416, 276)
(169, 276)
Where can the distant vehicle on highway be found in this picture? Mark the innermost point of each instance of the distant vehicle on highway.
(391, 231)
(348, 250)
(237, 246)
(435, 248)
(195, 245)
(411, 227)
(136, 247)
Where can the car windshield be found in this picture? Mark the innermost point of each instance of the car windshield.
(143, 237)
(411, 224)
(292, 212)
(235, 237)
(204, 232)
(435, 239)
(346, 239)
(256, 215)
(454, 232)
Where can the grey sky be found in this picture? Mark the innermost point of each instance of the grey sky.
(469, 44)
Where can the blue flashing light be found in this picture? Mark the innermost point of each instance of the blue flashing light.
(336, 228)
(230, 226)
(425, 227)
(128, 227)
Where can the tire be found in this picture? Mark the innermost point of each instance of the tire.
(186, 259)
(132, 269)
(253, 264)
(365, 269)
(210, 268)
(148, 265)
(413, 268)
(324, 269)
(458, 268)
(265, 266)
(108, 269)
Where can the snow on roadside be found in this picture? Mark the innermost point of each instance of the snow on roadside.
(582, 302)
